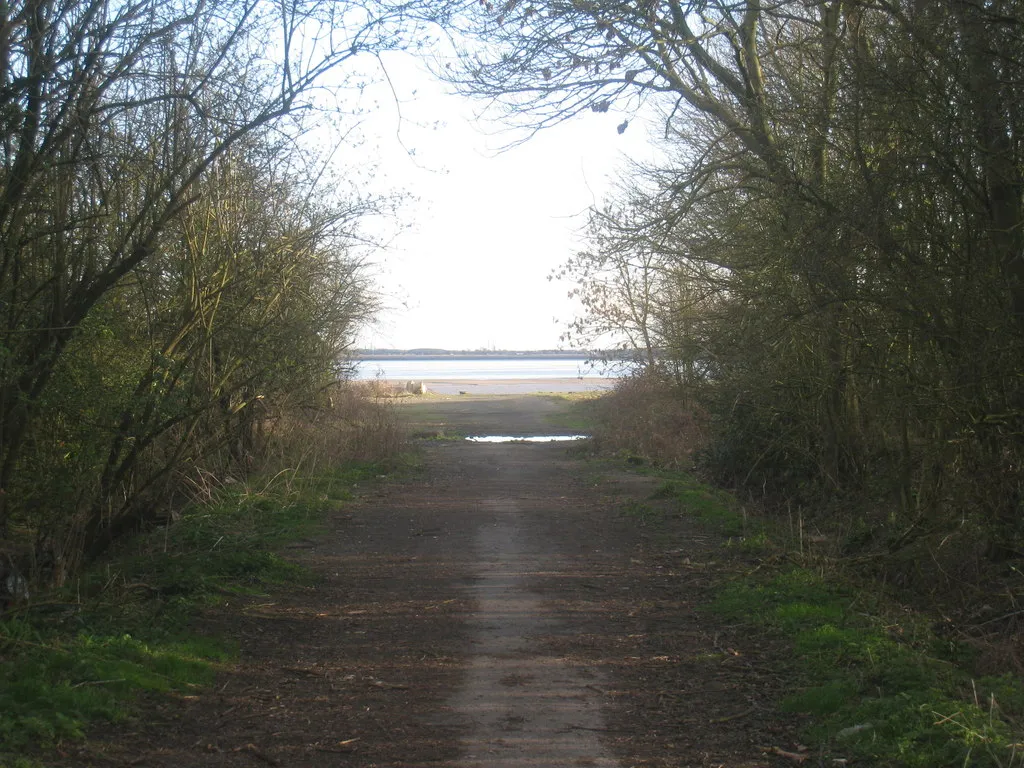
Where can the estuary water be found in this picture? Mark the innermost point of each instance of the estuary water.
(491, 375)
(478, 369)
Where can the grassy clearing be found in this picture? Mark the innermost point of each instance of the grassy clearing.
(426, 419)
(85, 653)
(874, 682)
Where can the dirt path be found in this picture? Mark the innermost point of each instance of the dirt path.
(500, 609)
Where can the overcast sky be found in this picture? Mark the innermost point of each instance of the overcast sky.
(471, 270)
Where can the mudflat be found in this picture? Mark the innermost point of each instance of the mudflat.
(500, 606)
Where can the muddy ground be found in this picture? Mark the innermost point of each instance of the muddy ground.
(504, 606)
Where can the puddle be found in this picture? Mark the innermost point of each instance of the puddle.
(525, 438)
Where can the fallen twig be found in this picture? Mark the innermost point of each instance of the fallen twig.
(98, 682)
(597, 730)
(796, 757)
(255, 752)
(311, 672)
(346, 747)
(389, 686)
(438, 605)
(737, 716)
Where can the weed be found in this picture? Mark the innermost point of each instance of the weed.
(53, 684)
(19, 762)
(758, 543)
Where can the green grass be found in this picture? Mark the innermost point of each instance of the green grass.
(875, 682)
(54, 684)
(578, 414)
(713, 507)
(83, 656)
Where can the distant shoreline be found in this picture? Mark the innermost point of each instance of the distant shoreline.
(448, 388)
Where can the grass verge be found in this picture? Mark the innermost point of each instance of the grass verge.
(874, 683)
(84, 654)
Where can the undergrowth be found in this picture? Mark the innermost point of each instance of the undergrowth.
(649, 420)
(83, 654)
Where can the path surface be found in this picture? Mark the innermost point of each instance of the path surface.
(519, 703)
(505, 607)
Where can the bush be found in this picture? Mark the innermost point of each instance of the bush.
(649, 417)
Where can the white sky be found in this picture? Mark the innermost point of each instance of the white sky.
(471, 270)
